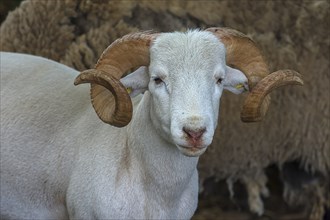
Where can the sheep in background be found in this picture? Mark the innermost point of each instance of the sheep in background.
(284, 32)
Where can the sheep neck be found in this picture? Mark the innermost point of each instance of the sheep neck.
(165, 169)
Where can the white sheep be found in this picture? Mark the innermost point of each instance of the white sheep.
(59, 161)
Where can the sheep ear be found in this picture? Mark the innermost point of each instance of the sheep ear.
(235, 81)
(136, 82)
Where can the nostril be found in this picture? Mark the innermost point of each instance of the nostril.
(194, 134)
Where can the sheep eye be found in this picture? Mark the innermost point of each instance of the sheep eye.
(158, 80)
(219, 80)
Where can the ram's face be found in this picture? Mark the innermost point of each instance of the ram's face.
(186, 83)
(186, 77)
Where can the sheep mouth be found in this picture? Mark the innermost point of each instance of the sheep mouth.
(192, 151)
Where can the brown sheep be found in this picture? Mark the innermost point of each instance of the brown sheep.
(293, 35)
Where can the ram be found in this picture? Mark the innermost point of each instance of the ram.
(58, 160)
(300, 134)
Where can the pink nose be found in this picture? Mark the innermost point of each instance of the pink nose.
(194, 135)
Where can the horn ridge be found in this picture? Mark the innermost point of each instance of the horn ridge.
(109, 97)
(253, 109)
(130, 51)
(244, 54)
(121, 111)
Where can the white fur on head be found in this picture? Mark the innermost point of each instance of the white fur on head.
(186, 77)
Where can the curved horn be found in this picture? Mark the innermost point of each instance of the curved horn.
(122, 111)
(252, 108)
(109, 97)
(244, 54)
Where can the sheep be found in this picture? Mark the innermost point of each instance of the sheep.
(59, 161)
(288, 42)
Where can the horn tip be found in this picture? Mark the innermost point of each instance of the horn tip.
(84, 76)
(78, 81)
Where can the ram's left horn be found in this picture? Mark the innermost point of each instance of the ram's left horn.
(244, 54)
(252, 108)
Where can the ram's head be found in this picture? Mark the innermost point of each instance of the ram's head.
(185, 74)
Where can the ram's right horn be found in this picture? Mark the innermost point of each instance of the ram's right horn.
(109, 97)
